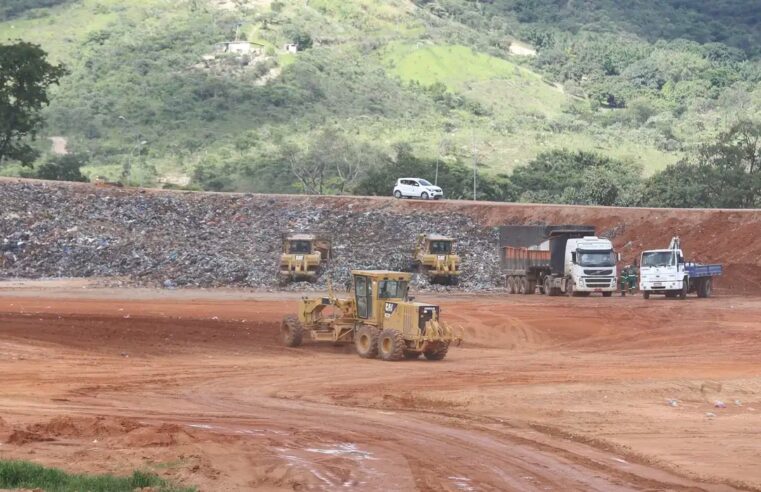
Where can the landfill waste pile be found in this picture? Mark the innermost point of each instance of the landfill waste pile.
(175, 239)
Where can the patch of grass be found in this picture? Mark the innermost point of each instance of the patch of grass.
(22, 474)
(453, 65)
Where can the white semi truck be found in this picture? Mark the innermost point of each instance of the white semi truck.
(559, 260)
(665, 271)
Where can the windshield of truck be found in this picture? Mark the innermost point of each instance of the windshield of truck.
(658, 259)
(424, 182)
(299, 247)
(392, 289)
(441, 247)
(597, 258)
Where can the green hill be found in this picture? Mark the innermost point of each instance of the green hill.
(149, 99)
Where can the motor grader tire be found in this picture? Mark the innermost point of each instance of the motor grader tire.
(292, 331)
(366, 342)
(438, 353)
(411, 355)
(391, 345)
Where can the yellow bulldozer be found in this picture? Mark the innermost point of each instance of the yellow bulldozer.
(435, 259)
(380, 319)
(302, 256)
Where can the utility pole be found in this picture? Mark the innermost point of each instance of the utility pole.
(475, 161)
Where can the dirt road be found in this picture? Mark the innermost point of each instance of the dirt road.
(547, 394)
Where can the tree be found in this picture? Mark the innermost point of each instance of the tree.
(584, 178)
(733, 166)
(63, 168)
(725, 173)
(25, 76)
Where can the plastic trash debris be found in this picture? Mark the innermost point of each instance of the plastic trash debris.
(719, 404)
(206, 241)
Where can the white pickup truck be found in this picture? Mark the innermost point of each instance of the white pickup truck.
(665, 271)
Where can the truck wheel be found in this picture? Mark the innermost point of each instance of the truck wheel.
(569, 288)
(438, 353)
(510, 285)
(391, 345)
(532, 287)
(685, 288)
(291, 331)
(607, 294)
(704, 288)
(708, 287)
(523, 286)
(547, 286)
(646, 294)
(366, 342)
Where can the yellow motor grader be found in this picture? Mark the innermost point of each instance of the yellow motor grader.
(380, 319)
(435, 258)
(302, 256)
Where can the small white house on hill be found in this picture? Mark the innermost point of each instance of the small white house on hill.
(240, 47)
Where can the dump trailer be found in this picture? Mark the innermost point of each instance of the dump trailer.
(302, 256)
(436, 259)
(666, 272)
(379, 318)
(558, 259)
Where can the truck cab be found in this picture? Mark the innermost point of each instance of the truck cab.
(662, 271)
(591, 265)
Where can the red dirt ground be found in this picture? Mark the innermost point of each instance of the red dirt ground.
(546, 394)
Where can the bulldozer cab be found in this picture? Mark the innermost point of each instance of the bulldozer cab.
(297, 247)
(440, 246)
(375, 290)
(434, 244)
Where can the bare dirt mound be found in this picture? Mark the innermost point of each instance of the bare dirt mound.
(141, 336)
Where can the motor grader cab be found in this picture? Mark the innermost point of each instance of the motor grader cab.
(435, 258)
(302, 256)
(379, 318)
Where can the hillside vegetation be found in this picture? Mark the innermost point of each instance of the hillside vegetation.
(145, 103)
